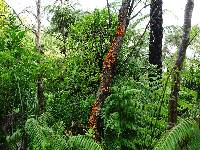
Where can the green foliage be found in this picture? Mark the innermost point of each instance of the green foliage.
(181, 136)
(71, 83)
(92, 34)
(82, 143)
(18, 65)
(5, 12)
(134, 115)
(14, 139)
(130, 113)
(63, 17)
(174, 35)
(43, 137)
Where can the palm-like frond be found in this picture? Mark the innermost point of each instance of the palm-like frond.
(81, 142)
(45, 138)
(185, 129)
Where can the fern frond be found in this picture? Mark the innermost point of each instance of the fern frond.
(34, 130)
(194, 144)
(14, 139)
(81, 142)
(44, 137)
(177, 134)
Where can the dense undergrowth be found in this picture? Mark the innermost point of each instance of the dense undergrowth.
(134, 115)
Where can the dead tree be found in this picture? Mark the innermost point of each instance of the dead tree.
(109, 65)
(176, 76)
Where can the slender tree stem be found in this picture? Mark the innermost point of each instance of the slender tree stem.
(176, 76)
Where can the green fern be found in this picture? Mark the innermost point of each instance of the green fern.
(185, 129)
(81, 142)
(45, 138)
(14, 139)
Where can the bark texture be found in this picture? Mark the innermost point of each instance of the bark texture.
(156, 34)
(176, 77)
(109, 65)
(38, 30)
(40, 83)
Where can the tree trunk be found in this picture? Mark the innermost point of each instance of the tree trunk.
(156, 34)
(40, 83)
(38, 30)
(176, 78)
(40, 93)
(109, 65)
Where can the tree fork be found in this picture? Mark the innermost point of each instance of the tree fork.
(109, 65)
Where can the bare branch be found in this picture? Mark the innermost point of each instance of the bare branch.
(139, 11)
(18, 17)
(136, 4)
(131, 8)
(30, 12)
(139, 42)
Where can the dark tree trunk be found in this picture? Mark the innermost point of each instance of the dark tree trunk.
(109, 65)
(64, 38)
(176, 77)
(156, 34)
